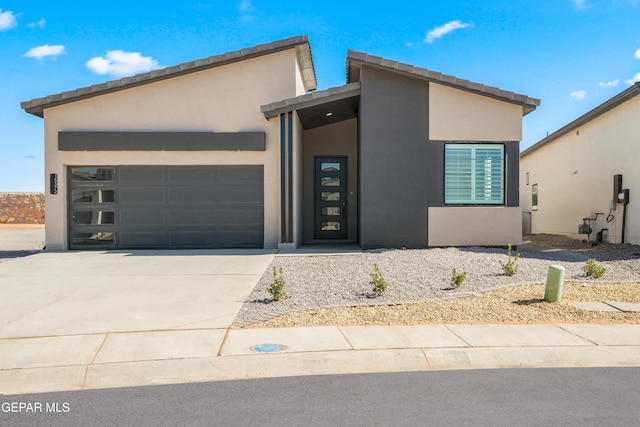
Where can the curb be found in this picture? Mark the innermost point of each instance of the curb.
(192, 370)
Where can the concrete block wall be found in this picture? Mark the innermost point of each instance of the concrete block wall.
(22, 208)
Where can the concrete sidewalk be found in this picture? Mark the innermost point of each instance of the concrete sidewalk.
(126, 359)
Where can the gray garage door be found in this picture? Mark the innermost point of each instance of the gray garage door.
(139, 207)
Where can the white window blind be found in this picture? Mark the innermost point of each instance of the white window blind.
(474, 174)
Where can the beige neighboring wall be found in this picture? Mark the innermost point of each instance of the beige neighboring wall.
(457, 115)
(575, 173)
(475, 226)
(221, 99)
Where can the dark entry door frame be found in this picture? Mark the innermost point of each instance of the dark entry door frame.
(330, 197)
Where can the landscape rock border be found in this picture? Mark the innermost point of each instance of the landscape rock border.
(414, 275)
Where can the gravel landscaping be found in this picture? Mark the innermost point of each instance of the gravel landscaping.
(418, 275)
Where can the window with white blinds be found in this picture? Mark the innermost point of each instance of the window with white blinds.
(474, 174)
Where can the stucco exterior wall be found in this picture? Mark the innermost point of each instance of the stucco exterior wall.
(402, 163)
(222, 99)
(456, 115)
(575, 173)
(475, 226)
(401, 172)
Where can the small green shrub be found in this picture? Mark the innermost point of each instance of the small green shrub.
(510, 268)
(592, 269)
(457, 279)
(377, 281)
(276, 289)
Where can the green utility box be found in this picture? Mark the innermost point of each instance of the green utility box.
(555, 277)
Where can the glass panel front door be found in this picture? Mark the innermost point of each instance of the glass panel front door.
(330, 198)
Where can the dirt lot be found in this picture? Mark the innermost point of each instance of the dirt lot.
(20, 240)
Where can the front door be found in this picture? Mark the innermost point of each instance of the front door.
(331, 198)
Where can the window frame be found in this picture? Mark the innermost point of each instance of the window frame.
(535, 194)
(474, 146)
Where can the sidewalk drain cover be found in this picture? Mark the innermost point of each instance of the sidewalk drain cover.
(268, 348)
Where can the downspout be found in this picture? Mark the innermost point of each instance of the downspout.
(624, 219)
(290, 173)
(625, 202)
(282, 181)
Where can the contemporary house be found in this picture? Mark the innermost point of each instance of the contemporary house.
(582, 171)
(236, 150)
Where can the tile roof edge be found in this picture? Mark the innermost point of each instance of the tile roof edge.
(438, 77)
(312, 96)
(36, 106)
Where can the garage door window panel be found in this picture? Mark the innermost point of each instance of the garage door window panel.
(92, 174)
(142, 195)
(202, 216)
(93, 196)
(236, 174)
(192, 238)
(93, 239)
(239, 194)
(142, 239)
(93, 217)
(238, 215)
(190, 195)
(190, 176)
(141, 217)
(141, 175)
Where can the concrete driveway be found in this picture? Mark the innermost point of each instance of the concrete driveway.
(71, 293)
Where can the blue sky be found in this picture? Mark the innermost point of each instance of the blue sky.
(572, 54)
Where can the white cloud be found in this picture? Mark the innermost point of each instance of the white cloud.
(40, 24)
(440, 31)
(579, 94)
(633, 79)
(246, 6)
(7, 20)
(247, 11)
(637, 55)
(580, 4)
(40, 52)
(612, 83)
(120, 63)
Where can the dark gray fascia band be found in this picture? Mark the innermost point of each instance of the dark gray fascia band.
(161, 141)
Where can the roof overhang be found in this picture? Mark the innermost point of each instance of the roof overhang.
(300, 43)
(612, 103)
(355, 61)
(319, 108)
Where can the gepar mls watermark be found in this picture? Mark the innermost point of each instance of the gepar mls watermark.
(19, 407)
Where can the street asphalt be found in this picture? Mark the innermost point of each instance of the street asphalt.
(506, 397)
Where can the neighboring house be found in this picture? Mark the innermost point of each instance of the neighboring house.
(569, 175)
(232, 151)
